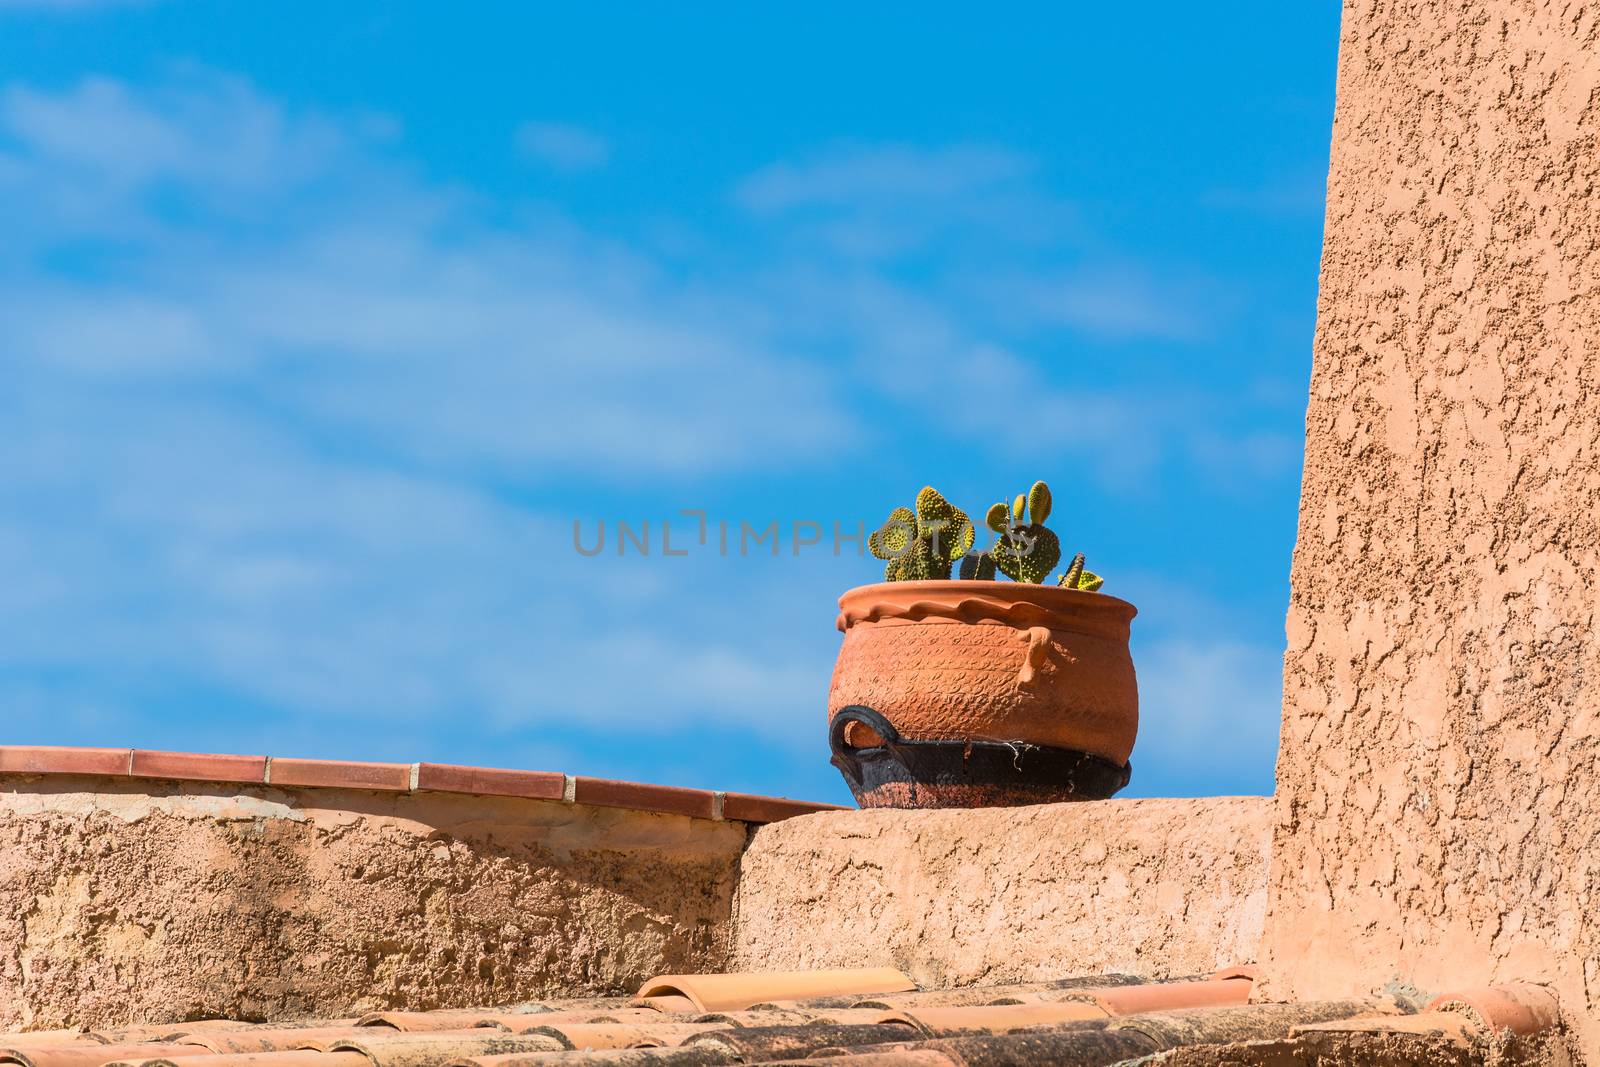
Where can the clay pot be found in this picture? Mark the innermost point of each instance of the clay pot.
(994, 693)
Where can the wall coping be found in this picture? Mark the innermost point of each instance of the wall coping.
(139, 763)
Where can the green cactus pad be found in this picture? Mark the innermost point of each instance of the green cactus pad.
(1090, 582)
(936, 516)
(1018, 505)
(891, 540)
(1028, 554)
(996, 519)
(1039, 503)
(917, 565)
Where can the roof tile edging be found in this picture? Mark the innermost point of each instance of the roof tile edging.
(416, 777)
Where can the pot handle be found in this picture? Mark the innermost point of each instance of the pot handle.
(1038, 651)
(844, 756)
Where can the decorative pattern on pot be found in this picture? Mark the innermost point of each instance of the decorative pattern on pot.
(1043, 671)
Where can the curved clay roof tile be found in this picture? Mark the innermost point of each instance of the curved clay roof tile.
(731, 992)
(1520, 1007)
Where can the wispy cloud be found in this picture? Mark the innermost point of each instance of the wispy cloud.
(878, 202)
(1114, 300)
(563, 147)
(221, 133)
(404, 318)
(851, 176)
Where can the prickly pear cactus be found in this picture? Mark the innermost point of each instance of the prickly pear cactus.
(1026, 551)
(944, 526)
(922, 545)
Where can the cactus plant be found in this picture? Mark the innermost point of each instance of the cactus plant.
(923, 545)
(1075, 577)
(1026, 551)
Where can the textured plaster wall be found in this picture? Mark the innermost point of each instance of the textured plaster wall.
(1438, 810)
(153, 903)
(1150, 887)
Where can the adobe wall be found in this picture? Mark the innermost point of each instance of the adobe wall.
(1148, 887)
(1438, 804)
(125, 901)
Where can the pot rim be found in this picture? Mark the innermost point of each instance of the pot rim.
(1018, 604)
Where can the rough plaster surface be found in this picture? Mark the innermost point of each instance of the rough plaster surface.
(1151, 887)
(1438, 794)
(164, 903)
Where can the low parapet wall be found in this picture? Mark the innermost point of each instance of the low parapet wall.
(158, 902)
(1150, 887)
(159, 886)
(154, 887)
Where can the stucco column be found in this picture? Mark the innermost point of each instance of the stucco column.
(1438, 797)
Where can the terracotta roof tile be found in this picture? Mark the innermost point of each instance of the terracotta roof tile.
(489, 781)
(749, 808)
(890, 1057)
(606, 1036)
(724, 992)
(269, 1039)
(791, 1017)
(302, 1058)
(93, 1054)
(1000, 1018)
(389, 1048)
(675, 1003)
(1454, 1027)
(640, 1016)
(666, 799)
(35, 1038)
(1079, 1025)
(429, 1021)
(1521, 1008)
(396, 777)
(1161, 996)
(192, 766)
(1014, 993)
(762, 1044)
(50, 759)
(340, 774)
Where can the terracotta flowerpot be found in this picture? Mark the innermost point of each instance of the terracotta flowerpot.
(990, 694)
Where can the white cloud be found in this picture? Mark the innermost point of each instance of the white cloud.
(1114, 301)
(878, 202)
(881, 173)
(563, 147)
(214, 134)
(406, 319)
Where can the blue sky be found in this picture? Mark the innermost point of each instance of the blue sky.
(322, 323)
